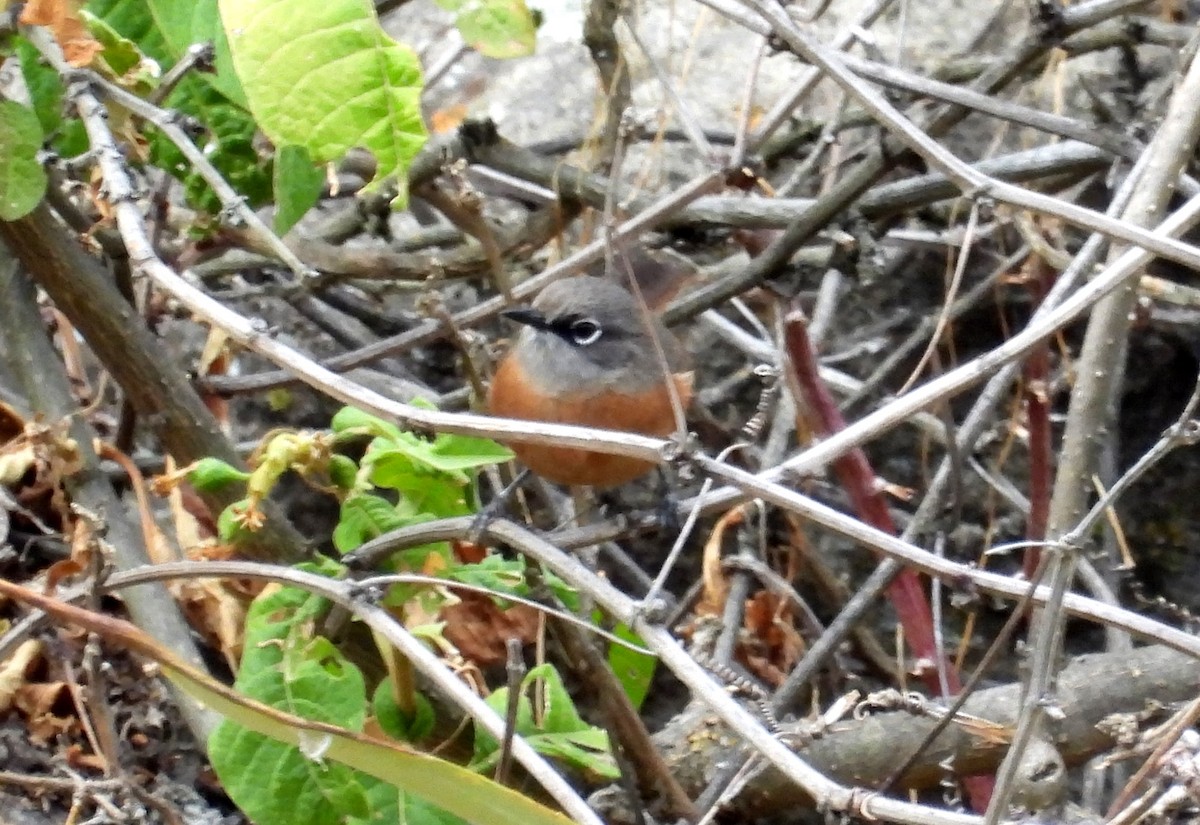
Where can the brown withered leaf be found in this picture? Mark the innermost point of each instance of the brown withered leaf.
(62, 18)
(716, 584)
(480, 629)
(14, 670)
(215, 359)
(39, 458)
(37, 702)
(777, 645)
(77, 758)
(215, 607)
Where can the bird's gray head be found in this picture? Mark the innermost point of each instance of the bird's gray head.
(586, 335)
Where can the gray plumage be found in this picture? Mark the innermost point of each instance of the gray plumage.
(622, 357)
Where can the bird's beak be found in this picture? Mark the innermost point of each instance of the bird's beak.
(528, 316)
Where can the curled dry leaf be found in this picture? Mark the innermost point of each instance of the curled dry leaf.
(214, 607)
(14, 670)
(716, 585)
(40, 703)
(62, 18)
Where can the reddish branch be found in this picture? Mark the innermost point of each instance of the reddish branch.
(1036, 372)
(907, 591)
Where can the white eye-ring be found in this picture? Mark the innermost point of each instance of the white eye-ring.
(585, 331)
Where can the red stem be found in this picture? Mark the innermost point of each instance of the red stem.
(1036, 372)
(907, 591)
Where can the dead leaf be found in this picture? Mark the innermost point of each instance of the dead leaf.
(215, 359)
(14, 670)
(480, 629)
(36, 701)
(76, 758)
(61, 17)
(716, 585)
(771, 631)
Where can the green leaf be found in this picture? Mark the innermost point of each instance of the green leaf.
(228, 143)
(464, 452)
(343, 472)
(285, 666)
(392, 805)
(199, 21)
(560, 733)
(452, 453)
(395, 722)
(353, 421)
(46, 91)
(323, 74)
(210, 474)
(228, 526)
(473, 797)
(363, 517)
(123, 59)
(216, 100)
(441, 495)
(495, 28)
(298, 184)
(133, 20)
(634, 670)
(22, 179)
(502, 575)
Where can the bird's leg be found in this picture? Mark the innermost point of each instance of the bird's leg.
(495, 508)
(667, 510)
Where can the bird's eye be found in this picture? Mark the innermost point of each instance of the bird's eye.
(585, 331)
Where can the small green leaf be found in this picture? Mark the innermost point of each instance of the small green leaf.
(22, 179)
(298, 184)
(133, 20)
(229, 528)
(343, 472)
(560, 733)
(633, 670)
(464, 452)
(438, 494)
(46, 92)
(453, 453)
(354, 421)
(123, 59)
(502, 575)
(324, 75)
(495, 28)
(363, 517)
(210, 474)
(395, 722)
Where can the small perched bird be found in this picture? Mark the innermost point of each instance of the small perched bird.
(587, 356)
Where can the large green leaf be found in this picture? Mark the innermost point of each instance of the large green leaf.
(288, 668)
(323, 74)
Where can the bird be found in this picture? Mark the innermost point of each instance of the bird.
(587, 356)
